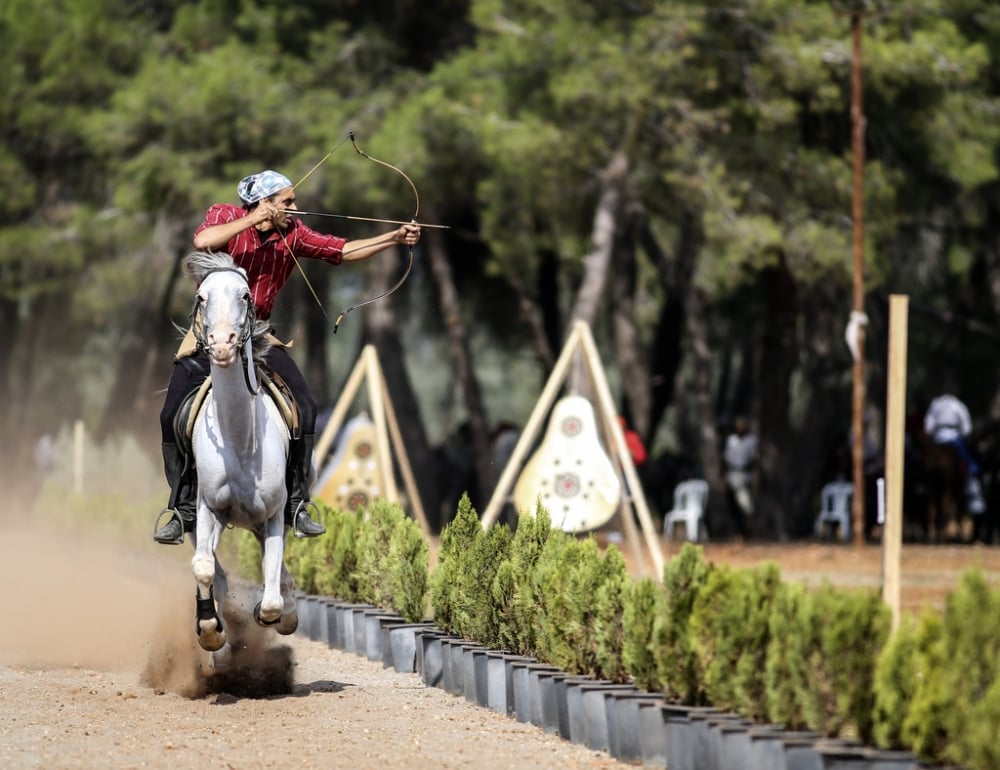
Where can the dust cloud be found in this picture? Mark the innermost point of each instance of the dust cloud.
(79, 601)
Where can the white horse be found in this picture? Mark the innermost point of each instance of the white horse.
(240, 443)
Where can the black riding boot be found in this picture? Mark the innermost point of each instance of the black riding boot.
(181, 505)
(300, 477)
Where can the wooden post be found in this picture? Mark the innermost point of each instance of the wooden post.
(78, 435)
(895, 436)
(857, 216)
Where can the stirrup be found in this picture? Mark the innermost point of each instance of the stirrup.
(157, 529)
(308, 527)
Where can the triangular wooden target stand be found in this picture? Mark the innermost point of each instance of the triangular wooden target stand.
(384, 418)
(633, 502)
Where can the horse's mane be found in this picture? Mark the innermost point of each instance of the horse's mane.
(199, 264)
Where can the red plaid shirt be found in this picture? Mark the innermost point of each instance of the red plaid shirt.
(266, 256)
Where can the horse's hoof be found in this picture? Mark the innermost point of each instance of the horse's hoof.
(211, 635)
(222, 658)
(288, 624)
(262, 621)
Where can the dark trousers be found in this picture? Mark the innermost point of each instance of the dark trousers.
(190, 372)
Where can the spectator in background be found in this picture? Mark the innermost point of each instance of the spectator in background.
(633, 443)
(739, 457)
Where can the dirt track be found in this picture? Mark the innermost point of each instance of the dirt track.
(83, 622)
(97, 669)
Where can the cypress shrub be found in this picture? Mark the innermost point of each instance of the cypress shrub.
(374, 566)
(569, 575)
(644, 605)
(729, 626)
(340, 576)
(896, 676)
(409, 556)
(473, 614)
(851, 628)
(980, 748)
(711, 615)
(613, 587)
(306, 559)
(792, 640)
(759, 589)
(677, 665)
(456, 538)
(959, 688)
(513, 587)
(923, 728)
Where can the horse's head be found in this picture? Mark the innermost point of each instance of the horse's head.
(222, 318)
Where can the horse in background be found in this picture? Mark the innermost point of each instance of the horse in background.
(240, 442)
(945, 473)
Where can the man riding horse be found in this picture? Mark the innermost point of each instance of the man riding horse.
(265, 240)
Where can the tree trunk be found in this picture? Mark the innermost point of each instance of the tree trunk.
(147, 345)
(666, 354)
(461, 361)
(777, 364)
(709, 450)
(602, 238)
(627, 345)
(381, 329)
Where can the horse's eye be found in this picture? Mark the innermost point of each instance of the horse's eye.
(246, 298)
(202, 299)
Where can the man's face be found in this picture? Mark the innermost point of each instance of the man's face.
(283, 199)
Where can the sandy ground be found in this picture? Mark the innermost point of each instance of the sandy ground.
(99, 668)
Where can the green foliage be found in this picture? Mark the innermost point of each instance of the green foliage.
(960, 660)
(392, 560)
(476, 616)
(644, 605)
(677, 665)
(853, 628)
(409, 556)
(730, 633)
(896, 677)
(568, 582)
(609, 615)
(373, 538)
(513, 587)
(378, 557)
(457, 538)
(341, 577)
(923, 728)
(788, 656)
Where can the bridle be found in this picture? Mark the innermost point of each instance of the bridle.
(247, 325)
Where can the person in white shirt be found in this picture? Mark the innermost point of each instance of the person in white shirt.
(739, 456)
(948, 422)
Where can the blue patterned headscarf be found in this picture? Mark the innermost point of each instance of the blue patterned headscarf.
(256, 187)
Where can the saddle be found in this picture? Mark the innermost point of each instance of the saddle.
(275, 387)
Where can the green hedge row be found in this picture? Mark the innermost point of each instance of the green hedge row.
(379, 558)
(738, 639)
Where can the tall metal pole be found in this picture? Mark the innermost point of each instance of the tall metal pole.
(858, 149)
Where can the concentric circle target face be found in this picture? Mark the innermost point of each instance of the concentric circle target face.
(572, 426)
(570, 473)
(567, 485)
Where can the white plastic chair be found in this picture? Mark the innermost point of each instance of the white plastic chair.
(835, 508)
(690, 499)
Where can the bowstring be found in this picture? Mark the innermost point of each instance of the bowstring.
(416, 214)
(336, 324)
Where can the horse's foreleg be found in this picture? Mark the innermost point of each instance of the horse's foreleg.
(271, 603)
(290, 615)
(211, 633)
